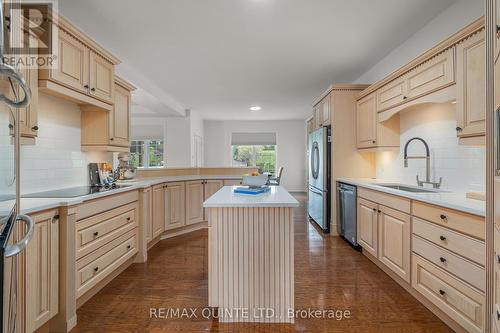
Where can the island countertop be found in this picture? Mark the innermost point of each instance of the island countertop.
(277, 197)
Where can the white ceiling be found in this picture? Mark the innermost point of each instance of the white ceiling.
(219, 57)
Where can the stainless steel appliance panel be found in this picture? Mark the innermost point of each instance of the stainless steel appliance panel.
(346, 212)
(318, 142)
(317, 205)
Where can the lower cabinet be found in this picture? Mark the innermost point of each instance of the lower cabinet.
(394, 241)
(194, 201)
(210, 188)
(367, 226)
(42, 271)
(158, 223)
(175, 205)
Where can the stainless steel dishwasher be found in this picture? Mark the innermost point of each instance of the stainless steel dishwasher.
(346, 212)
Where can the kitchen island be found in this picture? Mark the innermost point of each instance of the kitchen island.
(251, 255)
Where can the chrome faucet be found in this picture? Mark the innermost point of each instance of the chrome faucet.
(427, 158)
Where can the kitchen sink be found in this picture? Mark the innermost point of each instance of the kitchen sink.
(408, 188)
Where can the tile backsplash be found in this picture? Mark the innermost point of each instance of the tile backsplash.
(56, 161)
(463, 168)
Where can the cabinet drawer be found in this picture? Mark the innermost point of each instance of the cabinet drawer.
(93, 268)
(388, 200)
(465, 246)
(98, 230)
(468, 224)
(453, 297)
(458, 266)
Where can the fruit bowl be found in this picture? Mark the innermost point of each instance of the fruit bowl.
(255, 181)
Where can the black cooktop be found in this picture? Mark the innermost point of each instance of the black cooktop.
(73, 192)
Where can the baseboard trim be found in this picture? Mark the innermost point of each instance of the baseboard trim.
(184, 230)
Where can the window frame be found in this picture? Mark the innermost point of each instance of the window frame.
(254, 156)
(146, 153)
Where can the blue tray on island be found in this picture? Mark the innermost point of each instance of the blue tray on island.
(251, 190)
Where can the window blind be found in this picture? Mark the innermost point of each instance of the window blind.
(253, 139)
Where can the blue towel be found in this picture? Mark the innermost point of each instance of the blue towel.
(250, 190)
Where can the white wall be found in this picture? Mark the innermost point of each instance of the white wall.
(441, 27)
(56, 161)
(290, 140)
(196, 123)
(463, 168)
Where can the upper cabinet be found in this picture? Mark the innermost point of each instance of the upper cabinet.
(471, 93)
(83, 71)
(453, 70)
(321, 113)
(104, 130)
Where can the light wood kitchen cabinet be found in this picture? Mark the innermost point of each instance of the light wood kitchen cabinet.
(233, 182)
(84, 72)
(120, 114)
(366, 116)
(392, 94)
(72, 69)
(394, 241)
(318, 117)
(325, 111)
(471, 85)
(212, 186)
(158, 210)
(310, 125)
(432, 75)
(367, 225)
(104, 130)
(101, 77)
(42, 271)
(146, 209)
(175, 205)
(194, 202)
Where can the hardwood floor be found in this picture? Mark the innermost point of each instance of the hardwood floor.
(329, 274)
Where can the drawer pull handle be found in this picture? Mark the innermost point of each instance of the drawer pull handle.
(96, 233)
(442, 238)
(443, 217)
(441, 291)
(443, 260)
(96, 269)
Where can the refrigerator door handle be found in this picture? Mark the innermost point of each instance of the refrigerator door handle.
(315, 191)
(15, 249)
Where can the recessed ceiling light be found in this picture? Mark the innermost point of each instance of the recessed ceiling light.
(255, 108)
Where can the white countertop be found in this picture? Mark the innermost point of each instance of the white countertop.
(225, 197)
(31, 205)
(449, 199)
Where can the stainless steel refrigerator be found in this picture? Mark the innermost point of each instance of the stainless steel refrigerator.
(318, 206)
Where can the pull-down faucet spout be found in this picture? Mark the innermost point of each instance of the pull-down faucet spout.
(427, 158)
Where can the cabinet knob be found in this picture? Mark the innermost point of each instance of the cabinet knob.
(498, 28)
(498, 258)
(441, 291)
(128, 247)
(442, 238)
(373, 141)
(34, 128)
(92, 89)
(11, 126)
(96, 269)
(405, 97)
(443, 260)
(443, 217)
(86, 86)
(379, 211)
(498, 315)
(128, 218)
(96, 234)
(56, 217)
(112, 139)
(374, 210)
(458, 129)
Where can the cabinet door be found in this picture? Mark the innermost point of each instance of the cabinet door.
(394, 241)
(175, 205)
(496, 18)
(391, 94)
(147, 213)
(310, 125)
(317, 117)
(211, 186)
(42, 271)
(72, 63)
(367, 226)
(102, 78)
(158, 210)
(325, 111)
(194, 202)
(366, 119)
(471, 82)
(432, 75)
(119, 121)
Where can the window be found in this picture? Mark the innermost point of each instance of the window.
(147, 154)
(261, 156)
